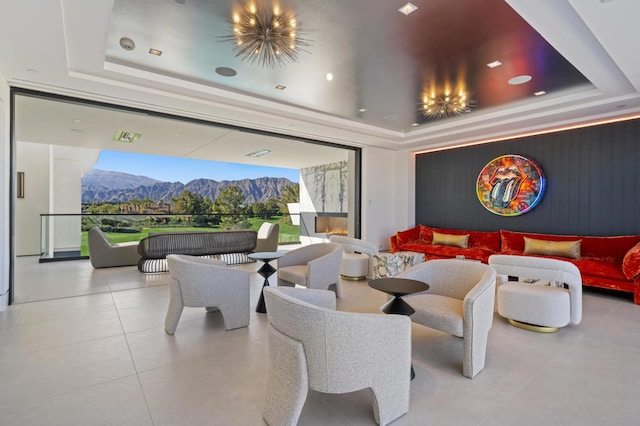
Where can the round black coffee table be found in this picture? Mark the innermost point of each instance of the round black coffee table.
(398, 287)
(266, 270)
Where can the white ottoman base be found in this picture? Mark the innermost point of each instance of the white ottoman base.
(534, 307)
(354, 266)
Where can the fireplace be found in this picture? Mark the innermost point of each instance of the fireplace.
(331, 223)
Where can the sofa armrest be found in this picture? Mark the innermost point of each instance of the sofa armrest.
(631, 263)
(394, 244)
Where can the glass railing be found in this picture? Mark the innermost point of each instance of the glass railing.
(64, 236)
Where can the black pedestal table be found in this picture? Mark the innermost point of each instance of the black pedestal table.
(266, 270)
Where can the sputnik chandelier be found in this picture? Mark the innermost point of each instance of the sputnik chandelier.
(446, 104)
(268, 36)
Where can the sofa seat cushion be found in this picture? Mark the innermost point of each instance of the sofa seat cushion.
(599, 268)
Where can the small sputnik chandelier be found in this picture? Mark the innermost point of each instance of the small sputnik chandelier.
(445, 104)
(268, 36)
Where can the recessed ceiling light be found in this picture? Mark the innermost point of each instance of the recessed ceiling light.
(281, 87)
(494, 64)
(520, 79)
(540, 93)
(126, 137)
(258, 153)
(408, 9)
(414, 124)
(329, 76)
(362, 110)
(155, 52)
(77, 120)
(127, 44)
(226, 71)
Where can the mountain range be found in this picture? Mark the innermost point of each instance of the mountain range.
(110, 186)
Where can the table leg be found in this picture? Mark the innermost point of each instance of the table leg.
(265, 271)
(399, 307)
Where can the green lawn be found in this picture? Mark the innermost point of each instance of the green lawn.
(288, 233)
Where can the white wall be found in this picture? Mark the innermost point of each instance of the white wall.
(5, 175)
(67, 198)
(33, 160)
(387, 194)
(53, 184)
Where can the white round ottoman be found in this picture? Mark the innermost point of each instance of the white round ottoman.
(534, 307)
(354, 267)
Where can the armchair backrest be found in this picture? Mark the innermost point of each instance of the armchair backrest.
(195, 275)
(336, 344)
(451, 277)
(305, 254)
(354, 245)
(301, 314)
(266, 229)
(96, 237)
(268, 236)
(546, 269)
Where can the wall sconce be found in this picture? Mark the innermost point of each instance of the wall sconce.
(20, 185)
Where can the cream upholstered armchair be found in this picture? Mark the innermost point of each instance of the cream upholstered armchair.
(268, 236)
(460, 301)
(312, 266)
(313, 346)
(357, 261)
(538, 307)
(105, 254)
(207, 283)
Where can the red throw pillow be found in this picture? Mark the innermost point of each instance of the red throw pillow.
(426, 233)
(408, 236)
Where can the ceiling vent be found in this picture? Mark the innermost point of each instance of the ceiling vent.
(259, 153)
(126, 137)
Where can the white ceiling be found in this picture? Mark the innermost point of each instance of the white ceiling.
(76, 125)
(61, 47)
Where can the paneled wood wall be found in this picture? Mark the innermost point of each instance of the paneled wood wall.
(592, 183)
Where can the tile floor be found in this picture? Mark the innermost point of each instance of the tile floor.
(96, 353)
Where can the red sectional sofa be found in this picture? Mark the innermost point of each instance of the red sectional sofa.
(606, 262)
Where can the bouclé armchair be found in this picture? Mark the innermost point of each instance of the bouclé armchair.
(105, 254)
(206, 283)
(313, 346)
(268, 237)
(460, 301)
(313, 266)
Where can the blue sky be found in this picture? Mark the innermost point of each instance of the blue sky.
(171, 169)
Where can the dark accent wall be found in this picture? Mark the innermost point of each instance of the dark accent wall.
(592, 183)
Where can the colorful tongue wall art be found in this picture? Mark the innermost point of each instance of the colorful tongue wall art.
(510, 185)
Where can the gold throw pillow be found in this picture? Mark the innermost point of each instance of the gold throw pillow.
(461, 241)
(570, 249)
